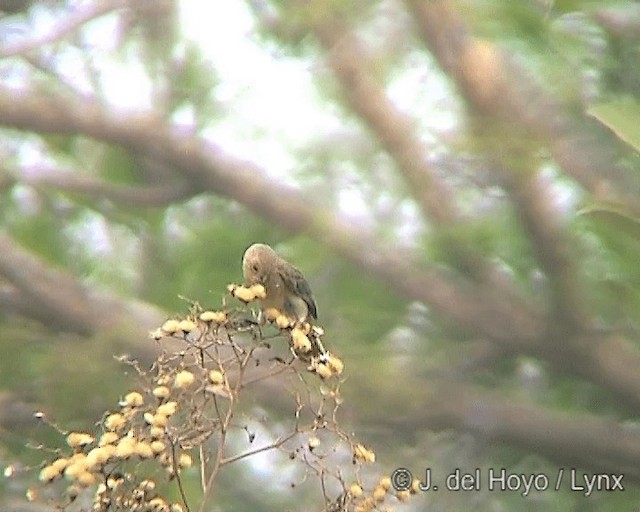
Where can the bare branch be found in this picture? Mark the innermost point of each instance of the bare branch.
(623, 21)
(56, 296)
(499, 317)
(495, 85)
(352, 67)
(155, 195)
(577, 439)
(74, 21)
(550, 243)
(208, 167)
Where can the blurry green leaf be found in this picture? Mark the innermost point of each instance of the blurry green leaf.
(63, 144)
(618, 293)
(118, 165)
(564, 6)
(620, 234)
(202, 253)
(617, 220)
(519, 21)
(365, 305)
(495, 237)
(193, 80)
(43, 235)
(622, 118)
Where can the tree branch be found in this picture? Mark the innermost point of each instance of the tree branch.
(569, 439)
(56, 296)
(495, 85)
(396, 132)
(74, 21)
(499, 317)
(550, 245)
(151, 195)
(208, 167)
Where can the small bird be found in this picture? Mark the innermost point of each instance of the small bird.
(286, 288)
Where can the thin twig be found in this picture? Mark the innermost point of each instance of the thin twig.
(176, 471)
(276, 444)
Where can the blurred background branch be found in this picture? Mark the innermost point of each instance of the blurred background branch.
(458, 181)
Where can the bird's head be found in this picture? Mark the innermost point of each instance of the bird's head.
(257, 262)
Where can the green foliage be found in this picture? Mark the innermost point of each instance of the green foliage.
(349, 294)
(70, 378)
(193, 82)
(60, 144)
(621, 229)
(117, 165)
(622, 117)
(497, 236)
(193, 247)
(201, 251)
(41, 233)
(513, 20)
(615, 266)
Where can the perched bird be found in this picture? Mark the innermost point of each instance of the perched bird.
(286, 288)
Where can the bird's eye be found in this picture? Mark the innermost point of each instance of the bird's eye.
(254, 267)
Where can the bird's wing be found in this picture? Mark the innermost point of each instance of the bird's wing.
(297, 284)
